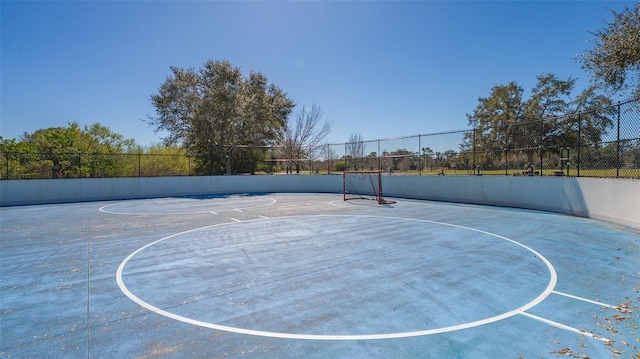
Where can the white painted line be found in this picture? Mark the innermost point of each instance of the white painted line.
(237, 220)
(552, 282)
(212, 212)
(105, 209)
(238, 210)
(586, 300)
(565, 327)
(263, 217)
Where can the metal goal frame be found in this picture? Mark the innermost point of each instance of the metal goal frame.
(375, 179)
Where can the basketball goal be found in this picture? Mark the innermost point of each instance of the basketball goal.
(363, 185)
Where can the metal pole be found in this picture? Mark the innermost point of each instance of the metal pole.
(420, 155)
(344, 187)
(541, 144)
(506, 160)
(328, 158)
(380, 197)
(346, 160)
(474, 150)
(506, 151)
(379, 157)
(362, 167)
(618, 161)
(568, 162)
(579, 144)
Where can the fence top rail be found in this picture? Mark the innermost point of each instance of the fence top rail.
(446, 132)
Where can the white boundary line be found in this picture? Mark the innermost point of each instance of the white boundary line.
(565, 327)
(586, 300)
(103, 209)
(521, 310)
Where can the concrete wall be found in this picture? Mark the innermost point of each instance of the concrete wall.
(613, 200)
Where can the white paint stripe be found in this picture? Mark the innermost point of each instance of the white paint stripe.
(212, 212)
(105, 210)
(586, 300)
(552, 282)
(263, 217)
(237, 220)
(238, 210)
(565, 327)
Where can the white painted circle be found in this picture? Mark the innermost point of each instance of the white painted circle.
(543, 295)
(167, 206)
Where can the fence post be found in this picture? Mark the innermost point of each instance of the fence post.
(541, 144)
(578, 160)
(346, 160)
(506, 151)
(618, 159)
(506, 161)
(473, 169)
(419, 155)
(379, 157)
(327, 159)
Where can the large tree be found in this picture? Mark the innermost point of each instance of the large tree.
(550, 101)
(218, 113)
(494, 117)
(74, 150)
(614, 60)
(505, 120)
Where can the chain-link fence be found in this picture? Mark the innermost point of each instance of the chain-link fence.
(589, 144)
(20, 165)
(603, 143)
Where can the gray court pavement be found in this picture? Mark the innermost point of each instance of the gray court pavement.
(312, 276)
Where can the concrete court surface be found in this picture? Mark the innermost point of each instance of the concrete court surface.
(311, 276)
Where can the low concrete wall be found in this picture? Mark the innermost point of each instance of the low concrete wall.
(23, 192)
(612, 200)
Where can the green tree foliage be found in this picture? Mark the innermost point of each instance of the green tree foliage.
(16, 156)
(65, 152)
(614, 59)
(551, 117)
(495, 115)
(216, 113)
(591, 115)
(155, 160)
(401, 159)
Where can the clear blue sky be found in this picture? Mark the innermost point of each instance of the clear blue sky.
(380, 69)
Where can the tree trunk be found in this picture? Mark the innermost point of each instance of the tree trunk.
(227, 165)
(530, 155)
